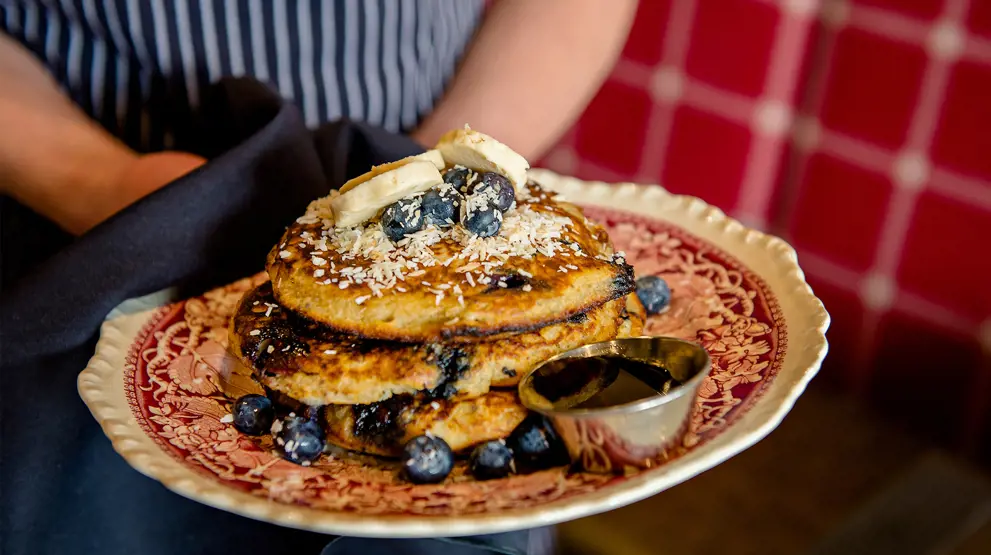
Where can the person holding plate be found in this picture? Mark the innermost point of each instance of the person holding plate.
(105, 102)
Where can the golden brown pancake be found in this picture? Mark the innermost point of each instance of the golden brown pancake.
(312, 364)
(548, 263)
(383, 428)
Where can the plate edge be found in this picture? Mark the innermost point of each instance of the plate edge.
(110, 355)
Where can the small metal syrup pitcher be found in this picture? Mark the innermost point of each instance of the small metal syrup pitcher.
(582, 392)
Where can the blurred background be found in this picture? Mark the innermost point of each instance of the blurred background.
(859, 130)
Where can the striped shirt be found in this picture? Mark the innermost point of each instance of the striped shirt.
(139, 66)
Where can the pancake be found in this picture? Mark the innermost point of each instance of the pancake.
(383, 428)
(316, 366)
(548, 263)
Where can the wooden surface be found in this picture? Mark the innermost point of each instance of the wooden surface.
(825, 480)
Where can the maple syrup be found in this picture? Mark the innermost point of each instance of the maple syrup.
(600, 382)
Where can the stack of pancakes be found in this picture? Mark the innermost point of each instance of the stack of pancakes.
(429, 335)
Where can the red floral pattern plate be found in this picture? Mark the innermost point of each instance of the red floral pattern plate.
(153, 387)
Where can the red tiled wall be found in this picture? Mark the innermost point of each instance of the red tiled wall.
(860, 130)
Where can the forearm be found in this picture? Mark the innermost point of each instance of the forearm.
(57, 161)
(531, 70)
(48, 148)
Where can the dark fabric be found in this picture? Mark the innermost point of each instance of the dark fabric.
(533, 542)
(64, 490)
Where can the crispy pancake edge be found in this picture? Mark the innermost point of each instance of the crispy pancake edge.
(489, 311)
(461, 423)
(320, 378)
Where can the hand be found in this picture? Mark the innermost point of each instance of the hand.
(79, 199)
(61, 164)
(144, 175)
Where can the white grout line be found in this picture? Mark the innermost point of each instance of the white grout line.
(678, 33)
(794, 30)
(963, 189)
(660, 122)
(828, 271)
(873, 158)
(848, 280)
(891, 239)
(945, 39)
(977, 49)
(920, 137)
(735, 107)
(910, 169)
(902, 28)
(812, 104)
(866, 155)
(863, 154)
(933, 312)
(632, 73)
(888, 24)
(898, 216)
(602, 173)
(731, 106)
(772, 116)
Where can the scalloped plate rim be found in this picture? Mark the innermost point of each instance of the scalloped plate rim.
(101, 388)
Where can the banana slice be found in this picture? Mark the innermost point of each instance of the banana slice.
(432, 156)
(478, 151)
(365, 199)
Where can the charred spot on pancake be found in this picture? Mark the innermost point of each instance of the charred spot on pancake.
(269, 333)
(316, 413)
(284, 404)
(625, 282)
(566, 242)
(380, 420)
(365, 347)
(453, 362)
(460, 334)
(512, 280)
(275, 348)
(508, 372)
(579, 318)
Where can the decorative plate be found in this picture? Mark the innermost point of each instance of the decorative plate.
(152, 386)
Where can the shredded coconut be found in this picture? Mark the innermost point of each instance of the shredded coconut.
(369, 259)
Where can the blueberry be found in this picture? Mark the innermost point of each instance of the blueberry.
(301, 439)
(654, 293)
(427, 460)
(491, 460)
(458, 177)
(536, 445)
(441, 205)
(497, 188)
(402, 218)
(484, 221)
(253, 414)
